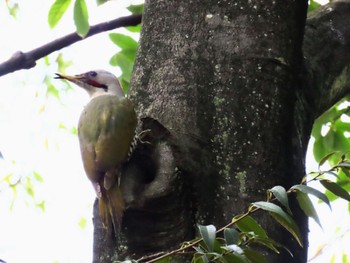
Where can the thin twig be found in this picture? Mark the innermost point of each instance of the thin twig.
(21, 60)
(148, 257)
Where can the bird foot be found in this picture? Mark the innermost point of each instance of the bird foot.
(138, 139)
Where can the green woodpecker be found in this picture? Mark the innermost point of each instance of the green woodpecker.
(106, 131)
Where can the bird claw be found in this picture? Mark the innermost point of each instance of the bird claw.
(138, 139)
(141, 135)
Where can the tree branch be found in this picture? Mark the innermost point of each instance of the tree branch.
(21, 60)
(327, 55)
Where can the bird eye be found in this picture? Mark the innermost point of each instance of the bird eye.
(92, 74)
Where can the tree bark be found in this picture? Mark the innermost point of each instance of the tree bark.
(230, 104)
(327, 55)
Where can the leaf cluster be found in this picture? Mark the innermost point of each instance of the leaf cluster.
(22, 184)
(124, 59)
(331, 135)
(81, 14)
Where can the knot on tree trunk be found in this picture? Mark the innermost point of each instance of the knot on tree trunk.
(155, 194)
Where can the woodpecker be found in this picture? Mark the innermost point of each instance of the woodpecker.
(106, 132)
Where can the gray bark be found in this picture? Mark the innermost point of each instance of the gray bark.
(327, 53)
(224, 89)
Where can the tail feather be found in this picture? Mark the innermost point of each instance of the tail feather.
(104, 213)
(116, 206)
(111, 206)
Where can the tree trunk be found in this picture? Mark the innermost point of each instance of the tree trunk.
(223, 88)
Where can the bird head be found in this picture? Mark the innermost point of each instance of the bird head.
(96, 82)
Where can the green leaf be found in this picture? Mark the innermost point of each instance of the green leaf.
(331, 115)
(199, 258)
(309, 190)
(130, 54)
(81, 18)
(122, 60)
(341, 143)
(248, 224)
(335, 189)
(82, 223)
(208, 233)
(38, 177)
(52, 90)
(345, 258)
(134, 29)
(307, 206)
(342, 126)
(281, 195)
(136, 9)
(325, 158)
(328, 140)
(281, 217)
(289, 225)
(57, 10)
(316, 129)
(346, 171)
(319, 151)
(268, 242)
(218, 243)
(62, 64)
(345, 184)
(235, 258)
(123, 41)
(344, 165)
(313, 5)
(28, 186)
(125, 58)
(101, 2)
(125, 84)
(74, 131)
(13, 8)
(255, 256)
(41, 205)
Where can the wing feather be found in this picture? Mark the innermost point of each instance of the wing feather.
(106, 130)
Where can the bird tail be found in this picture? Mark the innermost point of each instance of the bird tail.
(111, 206)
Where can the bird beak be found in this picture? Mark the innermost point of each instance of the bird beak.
(77, 79)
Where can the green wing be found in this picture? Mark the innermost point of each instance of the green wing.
(106, 130)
